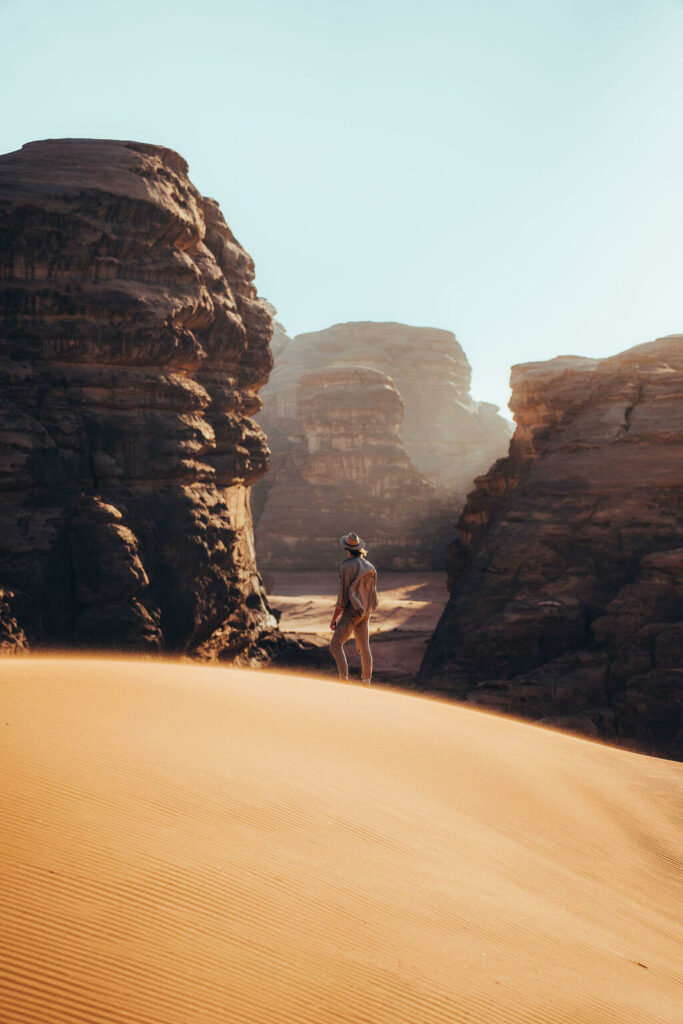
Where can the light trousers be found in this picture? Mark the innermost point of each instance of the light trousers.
(346, 625)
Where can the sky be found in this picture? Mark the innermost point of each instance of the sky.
(507, 171)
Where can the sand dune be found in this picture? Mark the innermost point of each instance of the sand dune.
(187, 844)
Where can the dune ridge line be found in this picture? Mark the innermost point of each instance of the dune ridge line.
(191, 844)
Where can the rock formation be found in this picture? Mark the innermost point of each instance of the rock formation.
(352, 468)
(444, 436)
(12, 636)
(132, 347)
(567, 575)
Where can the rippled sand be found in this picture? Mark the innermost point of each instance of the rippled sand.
(183, 844)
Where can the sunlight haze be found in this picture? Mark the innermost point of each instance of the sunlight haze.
(509, 172)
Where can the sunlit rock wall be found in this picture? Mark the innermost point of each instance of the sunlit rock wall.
(447, 436)
(350, 471)
(567, 574)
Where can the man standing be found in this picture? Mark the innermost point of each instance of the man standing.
(356, 601)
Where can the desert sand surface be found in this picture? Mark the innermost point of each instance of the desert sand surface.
(410, 605)
(184, 844)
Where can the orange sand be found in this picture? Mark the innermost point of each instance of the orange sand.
(184, 844)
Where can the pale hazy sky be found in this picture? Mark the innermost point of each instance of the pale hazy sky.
(508, 170)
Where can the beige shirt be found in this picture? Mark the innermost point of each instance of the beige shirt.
(348, 571)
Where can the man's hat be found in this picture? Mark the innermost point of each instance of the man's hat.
(351, 540)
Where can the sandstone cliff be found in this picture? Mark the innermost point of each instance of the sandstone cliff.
(351, 467)
(446, 437)
(132, 347)
(567, 575)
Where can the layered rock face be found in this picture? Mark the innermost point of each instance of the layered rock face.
(132, 347)
(449, 437)
(446, 437)
(351, 468)
(567, 575)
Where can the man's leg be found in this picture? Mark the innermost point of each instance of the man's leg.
(342, 632)
(362, 632)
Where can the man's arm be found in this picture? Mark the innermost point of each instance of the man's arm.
(341, 601)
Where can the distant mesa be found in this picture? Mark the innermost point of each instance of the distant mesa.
(374, 424)
(567, 574)
(132, 348)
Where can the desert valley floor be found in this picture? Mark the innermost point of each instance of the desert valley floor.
(192, 845)
(410, 605)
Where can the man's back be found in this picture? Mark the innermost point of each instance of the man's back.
(348, 571)
(358, 586)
